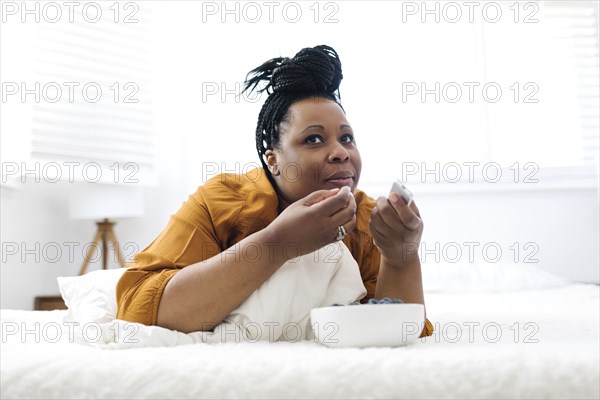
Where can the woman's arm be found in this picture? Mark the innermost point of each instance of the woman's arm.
(397, 229)
(400, 282)
(201, 295)
(403, 282)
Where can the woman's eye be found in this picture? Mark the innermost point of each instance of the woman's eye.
(313, 139)
(348, 138)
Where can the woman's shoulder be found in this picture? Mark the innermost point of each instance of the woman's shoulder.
(233, 199)
(231, 187)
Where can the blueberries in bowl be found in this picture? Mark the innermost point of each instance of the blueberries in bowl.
(385, 300)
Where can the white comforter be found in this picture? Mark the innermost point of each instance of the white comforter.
(528, 344)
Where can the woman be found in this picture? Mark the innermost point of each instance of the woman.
(237, 230)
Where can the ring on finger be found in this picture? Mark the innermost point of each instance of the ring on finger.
(341, 233)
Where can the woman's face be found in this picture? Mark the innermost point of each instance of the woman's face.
(316, 150)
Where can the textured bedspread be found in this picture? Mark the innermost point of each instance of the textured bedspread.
(528, 344)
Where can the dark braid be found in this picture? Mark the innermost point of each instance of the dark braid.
(313, 72)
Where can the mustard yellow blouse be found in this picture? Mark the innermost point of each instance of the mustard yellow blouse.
(223, 211)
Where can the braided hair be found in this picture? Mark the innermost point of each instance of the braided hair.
(312, 72)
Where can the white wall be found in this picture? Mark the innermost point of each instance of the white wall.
(564, 226)
(560, 226)
(194, 133)
(36, 214)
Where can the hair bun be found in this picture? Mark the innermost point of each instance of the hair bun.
(312, 70)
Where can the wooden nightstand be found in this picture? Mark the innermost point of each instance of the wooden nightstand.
(44, 303)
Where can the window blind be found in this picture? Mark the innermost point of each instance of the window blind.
(95, 109)
(575, 24)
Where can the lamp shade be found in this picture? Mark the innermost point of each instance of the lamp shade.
(98, 201)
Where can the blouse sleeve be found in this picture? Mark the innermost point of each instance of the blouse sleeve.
(191, 236)
(427, 329)
(188, 238)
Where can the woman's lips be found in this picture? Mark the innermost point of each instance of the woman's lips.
(341, 181)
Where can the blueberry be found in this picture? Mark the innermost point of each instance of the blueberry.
(385, 300)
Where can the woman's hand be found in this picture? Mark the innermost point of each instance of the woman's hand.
(312, 222)
(397, 229)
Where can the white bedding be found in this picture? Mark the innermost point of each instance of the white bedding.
(563, 363)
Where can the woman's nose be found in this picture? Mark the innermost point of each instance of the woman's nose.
(339, 154)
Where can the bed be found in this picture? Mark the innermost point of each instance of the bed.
(504, 344)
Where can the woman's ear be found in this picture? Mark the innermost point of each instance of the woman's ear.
(272, 162)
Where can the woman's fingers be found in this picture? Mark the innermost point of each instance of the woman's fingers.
(319, 196)
(335, 208)
(379, 237)
(345, 217)
(348, 224)
(331, 205)
(415, 209)
(395, 210)
(387, 216)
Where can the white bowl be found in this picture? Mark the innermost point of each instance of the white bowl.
(368, 325)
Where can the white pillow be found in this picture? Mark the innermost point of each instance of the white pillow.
(487, 277)
(91, 297)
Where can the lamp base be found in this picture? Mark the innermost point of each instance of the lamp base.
(104, 236)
